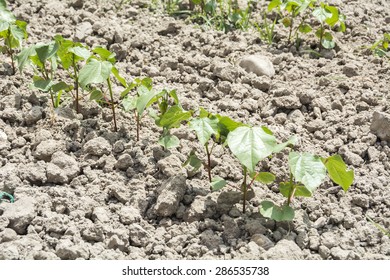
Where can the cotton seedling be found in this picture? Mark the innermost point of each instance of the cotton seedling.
(328, 17)
(99, 70)
(209, 128)
(42, 57)
(12, 31)
(381, 47)
(307, 172)
(70, 54)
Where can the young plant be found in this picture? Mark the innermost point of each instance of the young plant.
(251, 145)
(4, 195)
(381, 47)
(170, 115)
(42, 57)
(70, 54)
(266, 30)
(12, 31)
(98, 70)
(290, 12)
(328, 17)
(307, 172)
(208, 128)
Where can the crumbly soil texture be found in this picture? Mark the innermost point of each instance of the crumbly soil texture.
(83, 191)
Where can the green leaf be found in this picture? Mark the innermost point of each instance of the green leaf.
(278, 213)
(3, 5)
(81, 52)
(204, 128)
(307, 169)
(328, 44)
(263, 177)
(42, 84)
(118, 76)
(217, 183)
(129, 103)
(305, 28)
(173, 117)
(46, 51)
(250, 145)
(6, 16)
(334, 15)
(286, 22)
(145, 95)
(105, 54)
(3, 26)
(321, 14)
(194, 162)
(23, 57)
(61, 86)
(286, 188)
(290, 142)
(274, 4)
(169, 141)
(96, 95)
(339, 172)
(94, 72)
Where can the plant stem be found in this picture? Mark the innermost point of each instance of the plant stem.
(292, 192)
(10, 52)
(112, 103)
(208, 161)
(321, 35)
(138, 125)
(52, 98)
(76, 84)
(244, 189)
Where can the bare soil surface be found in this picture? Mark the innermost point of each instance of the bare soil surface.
(83, 191)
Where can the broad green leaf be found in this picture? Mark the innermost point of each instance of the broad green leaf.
(18, 34)
(23, 26)
(96, 95)
(23, 57)
(94, 72)
(119, 77)
(46, 51)
(305, 28)
(145, 95)
(274, 4)
(193, 161)
(334, 15)
(42, 84)
(227, 124)
(81, 52)
(217, 183)
(263, 177)
(286, 188)
(339, 172)
(169, 141)
(3, 26)
(321, 14)
(204, 128)
(6, 16)
(105, 54)
(203, 113)
(328, 44)
(61, 86)
(278, 213)
(173, 117)
(3, 5)
(173, 94)
(286, 22)
(129, 103)
(250, 145)
(307, 169)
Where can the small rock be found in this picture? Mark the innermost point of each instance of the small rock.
(339, 254)
(263, 241)
(9, 251)
(62, 168)
(361, 200)
(211, 240)
(320, 222)
(34, 115)
(97, 147)
(284, 250)
(350, 70)
(258, 64)
(329, 239)
(380, 125)
(170, 166)
(20, 214)
(226, 72)
(100, 214)
(47, 148)
(34, 172)
(129, 215)
(287, 102)
(83, 30)
(170, 194)
(255, 226)
(4, 222)
(124, 162)
(66, 250)
(8, 235)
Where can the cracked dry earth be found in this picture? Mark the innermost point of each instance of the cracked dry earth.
(83, 191)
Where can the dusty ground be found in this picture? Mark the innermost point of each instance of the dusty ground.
(83, 191)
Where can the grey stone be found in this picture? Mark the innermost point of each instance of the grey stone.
(262, 241)
(47, 148)
(361, 200)
(231, 229)
(210, 239)
(34, 115)
(129, 214)
(329, 239)
(9, 180)
(9, 251)
(4, 222)
(226, 200)
(287, 102)
(258, 64)
(83, 30)
(139, 237)
(97, 147)
(226, 72)
(284, 250)
(20, 214)
(254, 226)
(8, 235)
(67, 250)
(170, 194)
(350, 70)
(100, 214)
(380, 125)
(62, 168)
(124, 162)
(339, 254)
